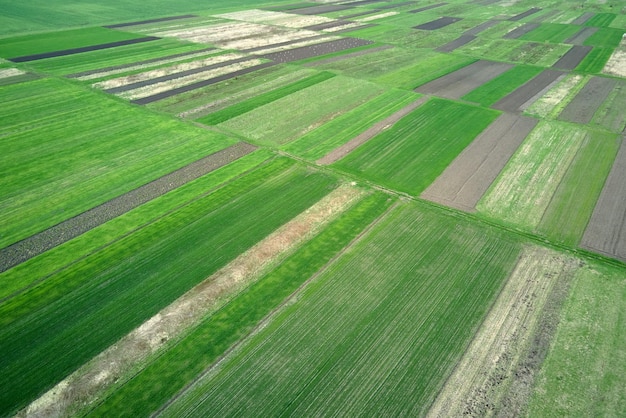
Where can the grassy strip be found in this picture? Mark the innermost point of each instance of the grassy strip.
(601, 20)
(57, 41)
(39, 268)
(551, 32)
(326, 138)
(584, 373)
(573, 202)
(179, 365)
(595, 61)
(605, 37)
(411, 154)
(306, 109)
(263, 99)
(494, 90)
(376, 334)
(110, 293)
(66, 149)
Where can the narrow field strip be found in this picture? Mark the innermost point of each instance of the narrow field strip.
(483, 377)
(573, 57)
(43, 241)
(467, 178)
(72, 51)
(145, 22)
(588, 100)
(526, 94)
(298, 43)
(365, 136)
(106, 369)
(497, 88)
(553, 101)
(527, 13)
(206, 343)
(457, 43)
(581, 36)
(370, 336)
(324, 48)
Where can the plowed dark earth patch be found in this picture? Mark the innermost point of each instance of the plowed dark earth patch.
(582, 19)
(318, 10)
(606, 230)
(585, 104)
(146, 22)
(573, 57)
(527, 93)
(581, 36)
(72, 51)
(348, 56)
(525, 14)
(469, 176)
(285, 43)
(482, 27)
(438, 23)
(316, 50)
(522, 30)
(458, 42)
(43, 241)
(432, 6)
(461, 82)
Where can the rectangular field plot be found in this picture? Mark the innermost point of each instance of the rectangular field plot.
(411, 154)
(588, 100)
(66, 150)
(504, 84)
(307, 110)
(376, 334)
(160, 262)
(551, 32)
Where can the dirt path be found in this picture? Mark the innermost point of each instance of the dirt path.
(107, 368)
(359, 140)
(43, 241)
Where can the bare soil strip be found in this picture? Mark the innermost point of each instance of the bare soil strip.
(468, 177)
(140, 64)
(347, 56)
(318, 10)
(310, 51)
(362, 2)
(423, 9)
(572, 58)
(146, 22)
(43, 241)
(93, 378)
(458, 83)
(328, 25)
(523, 95)
(438, 23)
(616, 65)
(522, 30)
(73, 51)
(10, 72)
(285, 43)
(581, 20)
(482, 27)
(585, 104)
(525, 14)
(174, 76)
(200, 84)
(606, 230)
(393, 6)
(458, 42)
(360, 26)
(581, 36)
(485, 2)
(495, 375)
(359, 140)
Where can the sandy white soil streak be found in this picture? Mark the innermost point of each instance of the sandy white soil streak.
(10, 72)
(89, 382)
(490, 364)
(616, 65)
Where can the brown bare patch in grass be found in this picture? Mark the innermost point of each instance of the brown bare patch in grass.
(114, 364)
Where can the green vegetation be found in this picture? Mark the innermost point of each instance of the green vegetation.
(551, 32)
(601, 20)
(263, 99)
(99, 299)
(411, 154)
(573, 201)
(606, 37)
(56, 41)
(337, 132)
(494, 90)
(66, 149)
(395, 312)
(584, 373)
(307, 108)
(169, 373)
(594, 62)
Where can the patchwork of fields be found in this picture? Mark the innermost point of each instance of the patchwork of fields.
(355, 208)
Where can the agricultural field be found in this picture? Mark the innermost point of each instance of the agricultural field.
(312, 208)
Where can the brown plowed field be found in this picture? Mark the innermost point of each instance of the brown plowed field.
(458, 42)
(581, 36)
(581, 20)
(572, 58)
(438, 24)
(309, 51)
(524, 94)
(469, 176)
(585, 104)
(525, 14)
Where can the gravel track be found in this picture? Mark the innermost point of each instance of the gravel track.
(585, 104)
(468, 177)
(525, 14)
(438, 23)
(73, 51)
(572, 58)
(606, 230)
(524, 95)
(521, 31)
(145, 22)
(43, 241)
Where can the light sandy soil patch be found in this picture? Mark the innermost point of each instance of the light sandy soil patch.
(351, 25)
(292, 45)
(556, 96)
(156, 88)
(149, 75)
(102, 74)
(616, 65)
(10, 72)
(502, 355)
(109, 367)
(378, 16)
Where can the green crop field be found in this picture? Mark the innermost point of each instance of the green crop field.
(312, 208)
(411, 154)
